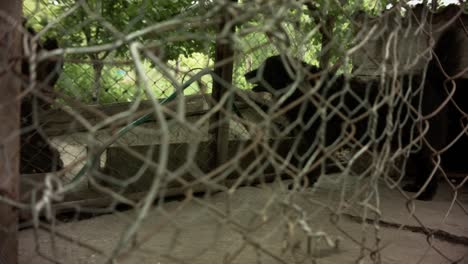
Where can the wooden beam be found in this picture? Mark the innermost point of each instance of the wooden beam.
(224, 60)
(10, 47)
(58, 122)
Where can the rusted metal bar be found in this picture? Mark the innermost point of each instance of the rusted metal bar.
(10, 19)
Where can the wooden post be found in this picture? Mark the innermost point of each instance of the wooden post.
(10, 19)
(219, 123)
(434, 5)
(326, 30)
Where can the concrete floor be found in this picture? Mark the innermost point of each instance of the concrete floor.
(268, 224)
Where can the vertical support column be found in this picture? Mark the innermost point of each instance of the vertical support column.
(224, 60)
(434, 5)
(10, 19)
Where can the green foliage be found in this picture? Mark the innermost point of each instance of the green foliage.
(118, 84)
(97, 22)
(78, 79)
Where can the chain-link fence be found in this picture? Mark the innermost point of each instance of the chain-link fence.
(241, 132)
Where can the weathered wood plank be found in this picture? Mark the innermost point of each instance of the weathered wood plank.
(394, 42)
(60, 122)
(224, 65)
(10, 124)
(121, 164)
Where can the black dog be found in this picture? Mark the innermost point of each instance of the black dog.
(36, 154)
(335, 105)
(450, 48)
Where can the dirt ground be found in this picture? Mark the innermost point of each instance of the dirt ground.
(334, 223)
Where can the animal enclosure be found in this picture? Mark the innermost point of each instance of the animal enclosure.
(235, 132)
